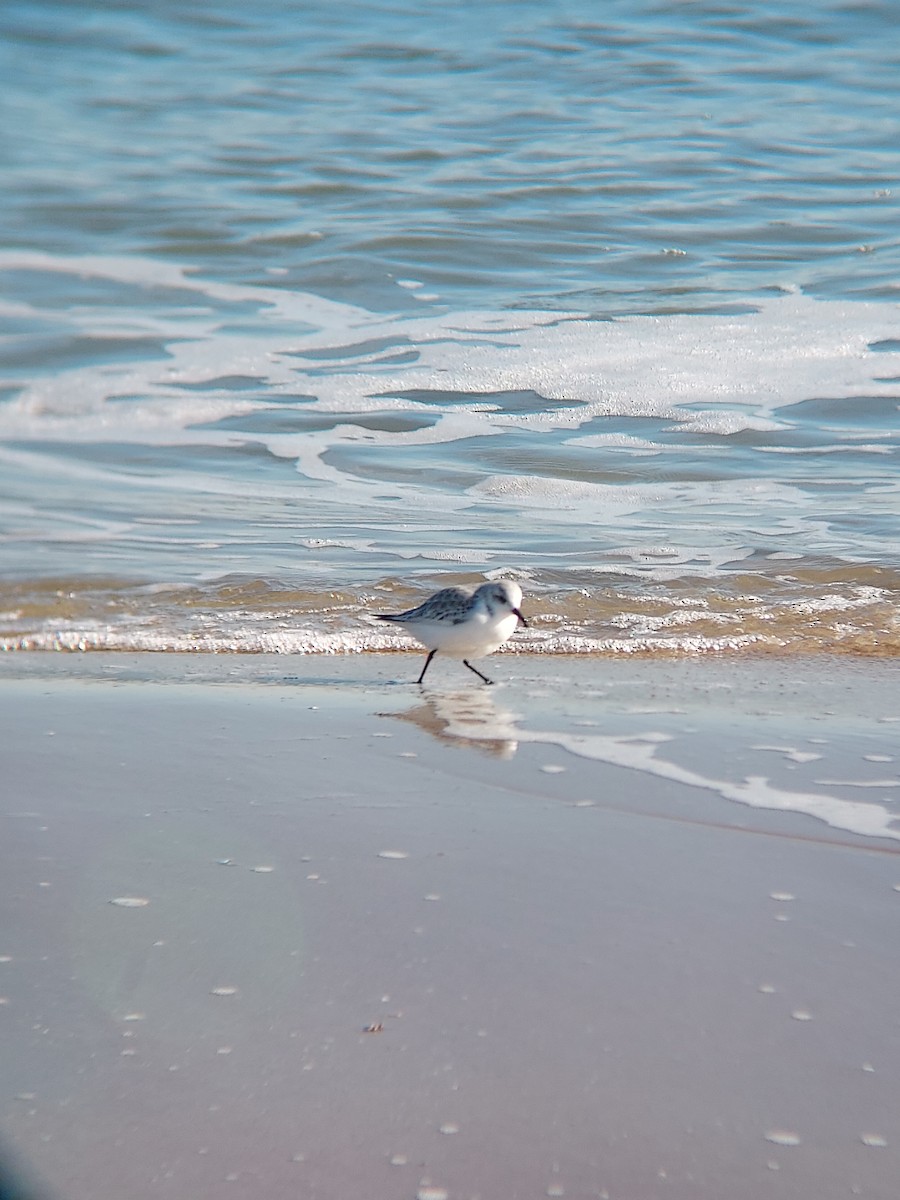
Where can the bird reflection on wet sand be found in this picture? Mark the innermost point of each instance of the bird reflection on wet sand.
(465, 718)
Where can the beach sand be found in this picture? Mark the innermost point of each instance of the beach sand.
(282, 927)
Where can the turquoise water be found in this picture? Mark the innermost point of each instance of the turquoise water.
(305, 316)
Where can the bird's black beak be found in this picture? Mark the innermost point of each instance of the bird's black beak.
(521, 618)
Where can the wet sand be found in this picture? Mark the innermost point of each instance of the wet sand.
(295, 927)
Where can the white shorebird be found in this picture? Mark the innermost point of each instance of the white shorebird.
(463, 624)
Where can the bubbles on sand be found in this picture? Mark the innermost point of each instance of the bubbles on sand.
(802, 1014)
(130, 902)
(873, 1139)
(783, 1137)
(225, 990)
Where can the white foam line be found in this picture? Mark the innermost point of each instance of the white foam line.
(840, 449)
(55, 635)
(869, 820)
(143, 271)
(860, 783)
(791, 752)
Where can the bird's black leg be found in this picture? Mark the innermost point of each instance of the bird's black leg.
(431, 655)
(477, 672)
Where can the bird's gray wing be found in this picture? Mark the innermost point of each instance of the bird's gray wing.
(451, 597)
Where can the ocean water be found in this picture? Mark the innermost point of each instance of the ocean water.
(306, 312)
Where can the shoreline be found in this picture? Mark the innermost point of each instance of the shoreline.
(541, 938)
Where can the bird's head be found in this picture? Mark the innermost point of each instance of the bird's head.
(505, 595)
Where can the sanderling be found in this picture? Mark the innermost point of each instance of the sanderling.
(463, 624)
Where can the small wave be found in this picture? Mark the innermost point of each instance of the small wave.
(824, 610)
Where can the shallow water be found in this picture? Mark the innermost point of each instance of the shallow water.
(305, 320)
